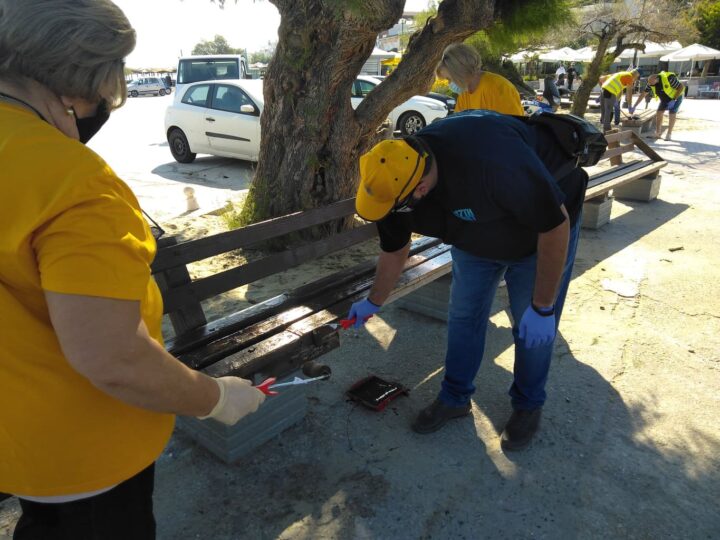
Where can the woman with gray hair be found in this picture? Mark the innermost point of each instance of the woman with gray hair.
(477, 89)
(88, 394)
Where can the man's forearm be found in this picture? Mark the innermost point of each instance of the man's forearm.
(551, 255)
(389, 268)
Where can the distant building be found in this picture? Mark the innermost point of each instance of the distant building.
(392, 39)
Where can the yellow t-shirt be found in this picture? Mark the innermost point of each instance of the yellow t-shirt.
(69, 225)
(494, 93)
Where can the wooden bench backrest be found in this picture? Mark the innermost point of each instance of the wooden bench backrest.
(182, 295)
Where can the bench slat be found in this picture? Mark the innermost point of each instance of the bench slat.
(612, 152)
(272, 306)
(620, 136)
(201, 357)
(197, 250)
(282, 353)
(221, 282)
(606, 186)
(626, 168)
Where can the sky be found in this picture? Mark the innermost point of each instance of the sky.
(167, 29)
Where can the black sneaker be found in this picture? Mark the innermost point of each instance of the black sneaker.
(435, 416)
(520, 429)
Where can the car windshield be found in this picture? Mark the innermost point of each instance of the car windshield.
(199, 69)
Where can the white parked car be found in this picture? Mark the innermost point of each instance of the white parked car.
(409, 117)
(221, 118)
(147, 85)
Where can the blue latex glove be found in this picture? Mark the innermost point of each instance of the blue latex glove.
(672, 104)
(536, 329)
(631, 109)
(361, 311)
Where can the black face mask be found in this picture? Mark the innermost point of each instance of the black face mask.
(87, 127)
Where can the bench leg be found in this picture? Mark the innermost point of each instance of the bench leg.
(230, 443)
(643, 189)
(596, 212)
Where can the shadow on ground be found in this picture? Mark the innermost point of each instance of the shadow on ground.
(210, 171)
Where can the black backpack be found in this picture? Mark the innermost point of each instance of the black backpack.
(577, 137)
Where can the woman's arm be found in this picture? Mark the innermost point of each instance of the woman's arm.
(105, 340)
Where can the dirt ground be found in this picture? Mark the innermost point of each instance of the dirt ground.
(630, 439)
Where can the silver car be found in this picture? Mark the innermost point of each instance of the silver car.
(147, 85)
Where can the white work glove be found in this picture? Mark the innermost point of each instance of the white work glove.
(238, 398)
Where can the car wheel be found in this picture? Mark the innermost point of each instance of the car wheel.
(410, 123)
(134, 93)
(161, 91)
(179, 147)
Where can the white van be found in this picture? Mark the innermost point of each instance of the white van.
(214, 67)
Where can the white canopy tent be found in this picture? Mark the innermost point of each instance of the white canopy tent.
(692, 53)
(652, 50)
(564, 54)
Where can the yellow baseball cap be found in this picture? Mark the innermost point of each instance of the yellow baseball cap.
(388, 173)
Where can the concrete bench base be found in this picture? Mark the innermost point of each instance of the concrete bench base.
(596, 212)
(642, 189)
(644, 124)
(430, 300)
(230, 443)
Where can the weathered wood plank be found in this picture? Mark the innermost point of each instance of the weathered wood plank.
(614, 182)
(191, 315)
(196, 250)
(338, 296)
(276, 304)
(235, 277)
(619, 137)
(612, 152)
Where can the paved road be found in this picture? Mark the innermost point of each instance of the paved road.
(133, 143)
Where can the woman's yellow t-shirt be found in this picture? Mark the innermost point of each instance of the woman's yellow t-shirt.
(493, 93)
(69, 225)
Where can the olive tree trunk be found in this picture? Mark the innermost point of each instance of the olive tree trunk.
(599, 63)
(312, 137)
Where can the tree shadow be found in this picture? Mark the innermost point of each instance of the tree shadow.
(347, 472)
(210, 171)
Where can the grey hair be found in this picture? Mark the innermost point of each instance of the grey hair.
(460, 62)
(76, 48)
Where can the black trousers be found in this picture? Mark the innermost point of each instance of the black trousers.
(123, 513)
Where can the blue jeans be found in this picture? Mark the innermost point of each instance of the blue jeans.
(474, 283)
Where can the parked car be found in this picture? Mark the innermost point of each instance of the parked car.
(147, 85)
(408, 117)
(449, 101)
(216, 117)
(215, 67)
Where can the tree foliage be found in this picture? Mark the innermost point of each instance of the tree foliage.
(707, 21)
(218, 45)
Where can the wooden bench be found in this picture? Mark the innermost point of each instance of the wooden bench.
(645, 121)
(281, 334)
(636, 179)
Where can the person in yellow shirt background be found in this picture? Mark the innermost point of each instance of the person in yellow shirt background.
(88, 393)
(612, 89)
(477, 89)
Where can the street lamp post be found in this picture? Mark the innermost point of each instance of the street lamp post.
(402, 32)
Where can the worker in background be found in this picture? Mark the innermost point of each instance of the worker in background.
(666, 87)
(477, 89)
(612, 90)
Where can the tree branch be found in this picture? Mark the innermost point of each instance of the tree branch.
(455, 21)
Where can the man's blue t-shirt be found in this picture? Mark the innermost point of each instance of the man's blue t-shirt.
(495, 191)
